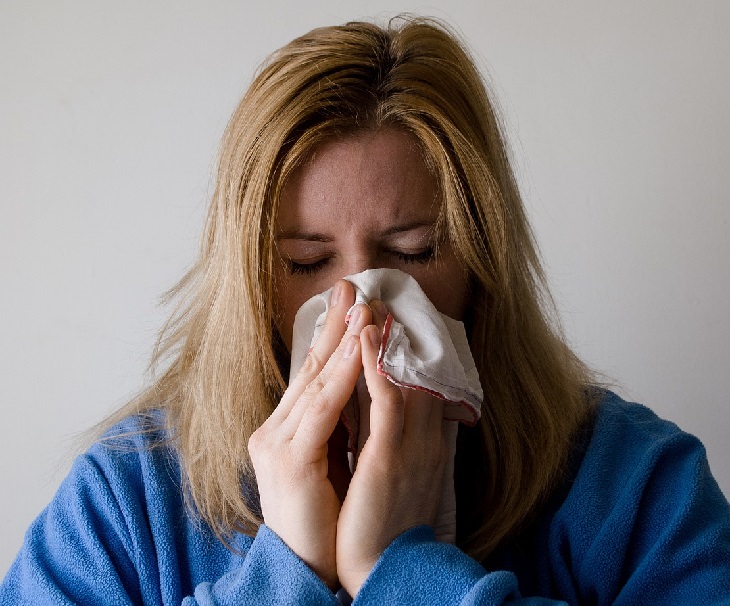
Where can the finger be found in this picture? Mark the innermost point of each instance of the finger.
(380, 312)
(340, 366)
(343, 295)
(423, 413)
(386, 409)
(318, 409)
(342, 298)
(445, 524)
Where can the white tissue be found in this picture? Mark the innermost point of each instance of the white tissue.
(421, 347)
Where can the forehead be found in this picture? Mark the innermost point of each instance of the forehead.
(379, 174)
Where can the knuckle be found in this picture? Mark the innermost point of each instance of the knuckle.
(314, 387)
(256, 442)
(267, 450)
(322, 403)
(313, 363)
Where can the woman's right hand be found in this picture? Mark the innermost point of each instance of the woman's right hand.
(289, 451)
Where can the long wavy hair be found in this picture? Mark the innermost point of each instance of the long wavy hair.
(220, 353)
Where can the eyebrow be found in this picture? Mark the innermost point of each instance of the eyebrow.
(298, 235)
(318, 237)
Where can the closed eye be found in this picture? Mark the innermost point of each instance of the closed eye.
(420, 257)
(311, 268)
(307, 269)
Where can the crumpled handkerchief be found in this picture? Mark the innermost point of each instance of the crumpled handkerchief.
(421, 348)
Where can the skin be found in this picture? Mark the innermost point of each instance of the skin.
(362, 202)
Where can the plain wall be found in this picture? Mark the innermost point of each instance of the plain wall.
(110, 115)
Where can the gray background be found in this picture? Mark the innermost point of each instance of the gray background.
(110, 116)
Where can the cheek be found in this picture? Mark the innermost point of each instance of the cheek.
(446, 284)
(449, 294)
(285, 308)
(286, 323)
(286, 313)
(292, 293)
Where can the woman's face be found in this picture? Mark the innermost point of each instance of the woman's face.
(362, 202)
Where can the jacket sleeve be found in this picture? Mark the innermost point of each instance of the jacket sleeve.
(646, 522)
(108, 538)
(271, 574)
(643, 523)
(416, 569)
(77, 550)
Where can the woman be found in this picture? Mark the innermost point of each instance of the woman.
(361, 147)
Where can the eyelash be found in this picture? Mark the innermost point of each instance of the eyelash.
(422, 257)
(309, 269)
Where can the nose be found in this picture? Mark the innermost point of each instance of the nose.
(359, 260)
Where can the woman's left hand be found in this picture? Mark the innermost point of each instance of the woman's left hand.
(398, 482)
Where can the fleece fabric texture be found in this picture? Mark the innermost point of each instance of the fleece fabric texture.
(640, 521)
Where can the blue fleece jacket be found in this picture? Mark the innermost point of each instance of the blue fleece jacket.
(640, 521)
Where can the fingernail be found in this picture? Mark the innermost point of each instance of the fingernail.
(379, 308)
(335, 296)
(375, 337)
(353, 316)
(349, 347)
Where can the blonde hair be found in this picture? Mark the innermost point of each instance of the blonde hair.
(224, 373)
